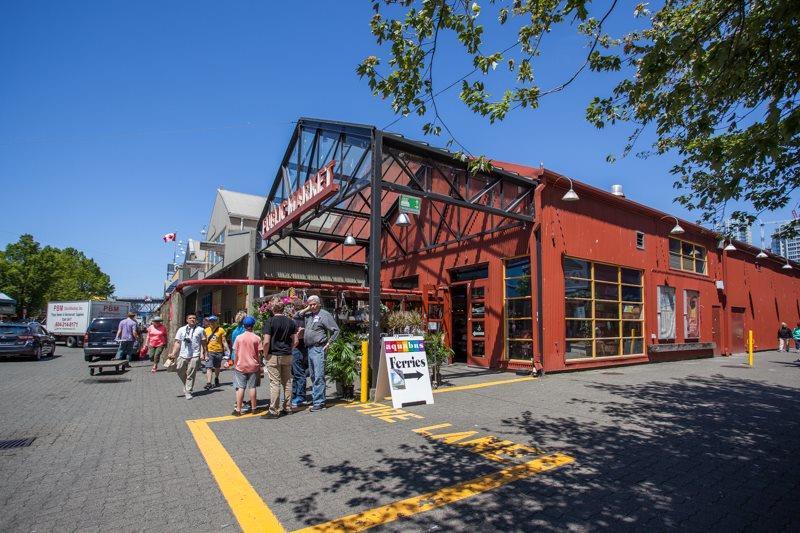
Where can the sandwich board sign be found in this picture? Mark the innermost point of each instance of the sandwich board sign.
(404, 372)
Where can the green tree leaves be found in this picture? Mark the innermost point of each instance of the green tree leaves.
(716, 80)
(33, 275)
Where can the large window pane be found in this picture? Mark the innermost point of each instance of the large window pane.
(578, 288)
(520, 349)
(699, 266)
(518, 308)
(606, 310)
(674, 261)
(576, 268)
(518, 287)
(606, 291)
(606, 347)
(606, 328)
(632, 329)
(578, 349)
(632, 311)
(631, 277)
(520, 329)
(632, 346)
(631, 294)
(518, 267)
(579, 309)
(579, 329)
(606, 273)
(675, 246)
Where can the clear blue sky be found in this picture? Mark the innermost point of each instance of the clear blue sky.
(119, 120)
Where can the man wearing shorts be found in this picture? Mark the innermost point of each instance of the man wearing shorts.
(217, 349)
(247, 365)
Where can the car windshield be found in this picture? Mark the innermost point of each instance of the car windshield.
(13, 330)
(104, 326)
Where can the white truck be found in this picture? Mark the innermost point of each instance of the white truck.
(68, 321)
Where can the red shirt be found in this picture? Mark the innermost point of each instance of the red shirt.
(246, 348)
(156, 335)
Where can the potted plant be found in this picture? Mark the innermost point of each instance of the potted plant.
(400, 322)
(340, 364)
(437, 353)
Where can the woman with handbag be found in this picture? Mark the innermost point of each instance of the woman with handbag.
(156, 341)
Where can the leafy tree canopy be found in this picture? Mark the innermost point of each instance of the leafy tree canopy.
(33, 275)
(716, 80)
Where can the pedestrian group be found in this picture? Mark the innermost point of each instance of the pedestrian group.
(291, 348)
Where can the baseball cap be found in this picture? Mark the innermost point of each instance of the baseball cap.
(248, 321)
(213, 318)
(157, 319)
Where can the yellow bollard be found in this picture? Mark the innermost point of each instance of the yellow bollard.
(364, 371)
(750, 347)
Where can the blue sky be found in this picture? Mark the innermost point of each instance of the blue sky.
(119, 120)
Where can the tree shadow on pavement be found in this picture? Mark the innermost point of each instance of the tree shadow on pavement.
(700, 453)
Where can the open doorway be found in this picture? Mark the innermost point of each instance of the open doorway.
(458, 296)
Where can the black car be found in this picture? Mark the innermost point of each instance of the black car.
(27, 339)
(100, 339)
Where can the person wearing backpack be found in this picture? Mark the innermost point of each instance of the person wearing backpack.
(796, 337)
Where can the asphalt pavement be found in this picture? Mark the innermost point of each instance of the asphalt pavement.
(707, 445)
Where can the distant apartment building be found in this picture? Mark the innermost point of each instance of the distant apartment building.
(740, 234)
(786, 247)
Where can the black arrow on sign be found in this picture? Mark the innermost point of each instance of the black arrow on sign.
(415, 375)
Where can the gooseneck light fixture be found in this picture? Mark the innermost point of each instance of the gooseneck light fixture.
(570, 195)
(787, 266)
(677, 230)
(349, 240)
(730, 247)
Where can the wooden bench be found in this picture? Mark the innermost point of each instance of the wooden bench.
(119, 365)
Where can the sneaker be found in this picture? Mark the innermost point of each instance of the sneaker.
(188, 395)
(245, 409)
(317, 408)
(153, 370)
(207, 386)
(236, 412)
(287, 412)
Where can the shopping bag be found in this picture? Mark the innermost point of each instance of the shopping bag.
(169, 365)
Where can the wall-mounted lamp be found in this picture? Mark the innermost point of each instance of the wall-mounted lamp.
(570, 195)
(730, 247)
(677, 230)
(349, 240)
(403, 220)
(762, 255)
(787, 266)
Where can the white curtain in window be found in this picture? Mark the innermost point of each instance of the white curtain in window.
(666, 312)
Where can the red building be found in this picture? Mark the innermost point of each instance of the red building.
(520, 266)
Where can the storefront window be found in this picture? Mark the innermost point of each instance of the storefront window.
(687, 256)
(604, 310)
(518, 309)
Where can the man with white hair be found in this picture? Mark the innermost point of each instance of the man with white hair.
(319, 331)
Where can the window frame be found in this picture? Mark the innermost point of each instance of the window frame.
(506, 299)
(594, 320)
(683, 257)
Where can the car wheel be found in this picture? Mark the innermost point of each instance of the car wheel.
(71, 342)
(37, 355)
(52, 351)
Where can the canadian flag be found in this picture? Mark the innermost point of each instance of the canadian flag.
(169, 237)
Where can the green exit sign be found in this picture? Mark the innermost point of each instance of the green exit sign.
(410, 204)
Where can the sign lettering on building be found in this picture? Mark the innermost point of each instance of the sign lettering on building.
(316, 189)
(410, 204)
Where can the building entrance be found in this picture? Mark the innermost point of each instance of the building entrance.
(468, 320)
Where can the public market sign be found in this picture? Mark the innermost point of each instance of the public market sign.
(316, 189)
(409, 204)
(406, 367)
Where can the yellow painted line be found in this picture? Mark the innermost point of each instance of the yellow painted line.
(247, 506)
(433, 500)
(478, 385)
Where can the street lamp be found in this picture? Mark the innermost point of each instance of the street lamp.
(677, 230)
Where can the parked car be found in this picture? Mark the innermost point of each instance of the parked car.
(100, 338)
(27, 339)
